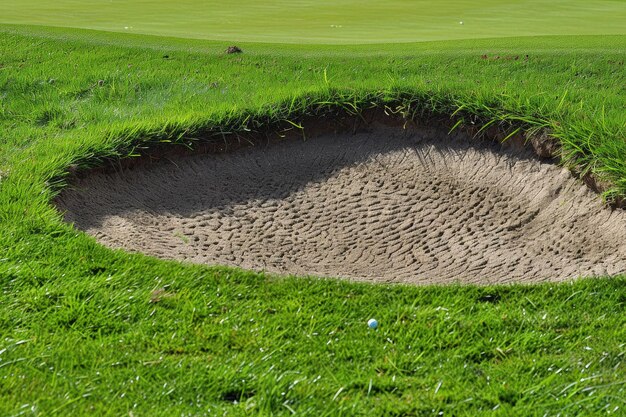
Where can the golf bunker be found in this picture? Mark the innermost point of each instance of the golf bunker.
(384, 205)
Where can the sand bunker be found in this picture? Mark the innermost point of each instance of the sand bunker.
(387, 206)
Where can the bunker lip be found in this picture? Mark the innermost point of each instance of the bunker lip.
(331, 121)
(378, 204)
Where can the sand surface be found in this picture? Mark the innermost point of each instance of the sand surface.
(391, 205)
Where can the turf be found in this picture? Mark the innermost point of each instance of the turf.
(327, 21)
(85, 330)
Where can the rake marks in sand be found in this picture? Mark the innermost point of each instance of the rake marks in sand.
(388, 205)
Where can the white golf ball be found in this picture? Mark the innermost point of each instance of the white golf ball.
(372, 323)
(460, 23)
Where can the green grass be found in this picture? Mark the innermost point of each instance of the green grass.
(327, 21)
(91, 343)
(79, 334)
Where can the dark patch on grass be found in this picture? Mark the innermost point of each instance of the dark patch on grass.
(509, 396)
(492, 298)
(237, 395)
(48, 116)
(97, 270)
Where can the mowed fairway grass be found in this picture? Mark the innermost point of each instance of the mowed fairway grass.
(326, 21)
(82, 330)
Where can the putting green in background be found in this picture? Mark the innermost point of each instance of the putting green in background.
(326, 21)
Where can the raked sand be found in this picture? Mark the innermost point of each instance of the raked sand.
(390, 205)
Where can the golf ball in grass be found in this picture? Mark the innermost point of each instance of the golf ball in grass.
(372, 323)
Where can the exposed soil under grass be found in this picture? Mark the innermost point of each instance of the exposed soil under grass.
(384, 205)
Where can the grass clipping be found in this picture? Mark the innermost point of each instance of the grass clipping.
(387, 205)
